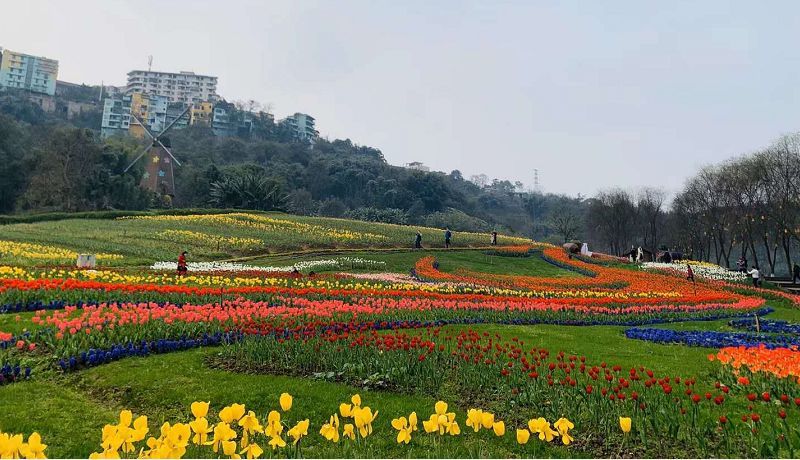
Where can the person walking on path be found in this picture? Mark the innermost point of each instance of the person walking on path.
(418, 241)
(182, 268)
(795, 273)
(756, 276)
(494, 238)
(447, 235)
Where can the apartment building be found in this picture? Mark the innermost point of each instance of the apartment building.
(23, 71)
(303, 126)
(184, 87)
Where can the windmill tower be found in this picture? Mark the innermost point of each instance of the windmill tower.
(159, 176)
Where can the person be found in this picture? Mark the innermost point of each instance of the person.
(447, 235)
(418, 240)
(413, 274)
(639, 254)
(756, 276)
(182, 268)
(667, 258)
(296, 273)
(494, 238)
(740, 266)
(744, 264)
(795, 273)
(689, 273)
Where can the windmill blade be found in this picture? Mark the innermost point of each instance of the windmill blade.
(168, 152)
(169, 126)
(143, 126)
(137, 159)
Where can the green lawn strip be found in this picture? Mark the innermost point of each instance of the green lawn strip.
(69, 422)
(449, 261)
(9, 323)
(164, 386)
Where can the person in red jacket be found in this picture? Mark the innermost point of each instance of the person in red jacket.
(182, 269)
(689, 273)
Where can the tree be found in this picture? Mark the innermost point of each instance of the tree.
(62, 171)
(566, 224)
(14, 140)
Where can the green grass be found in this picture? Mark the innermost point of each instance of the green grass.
(142, 242)
(401, 261)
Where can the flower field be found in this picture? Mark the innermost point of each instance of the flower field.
(514, 351)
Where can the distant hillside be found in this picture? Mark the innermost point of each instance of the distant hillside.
(144, 238)
(51, 163)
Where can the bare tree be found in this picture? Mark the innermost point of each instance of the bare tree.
(566, 224)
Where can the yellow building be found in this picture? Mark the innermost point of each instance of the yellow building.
(201, 113)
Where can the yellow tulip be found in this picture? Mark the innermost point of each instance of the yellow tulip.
(286, 402)
(277, 441)
(252, 451)
(201, 429)
(499, 428)
(625, 424)
(522, 436)
(349, 431)
(200, 409)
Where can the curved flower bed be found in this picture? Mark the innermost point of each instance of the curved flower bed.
(765, 325)
(712, 339)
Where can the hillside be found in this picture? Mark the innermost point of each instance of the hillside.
(51, 163)
(145, 239)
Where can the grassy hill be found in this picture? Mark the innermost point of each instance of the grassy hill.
(143, 239)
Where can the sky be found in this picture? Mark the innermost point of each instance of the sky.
(592, 94)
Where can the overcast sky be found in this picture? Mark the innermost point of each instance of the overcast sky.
(593, 94)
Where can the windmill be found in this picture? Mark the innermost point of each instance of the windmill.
(158, 170)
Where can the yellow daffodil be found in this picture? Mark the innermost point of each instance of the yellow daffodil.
(252, 451)
(625, 424)
(286, 402)
(200, 409)
(523, 435)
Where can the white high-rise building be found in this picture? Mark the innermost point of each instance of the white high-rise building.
(185, 87)
(303, 127)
